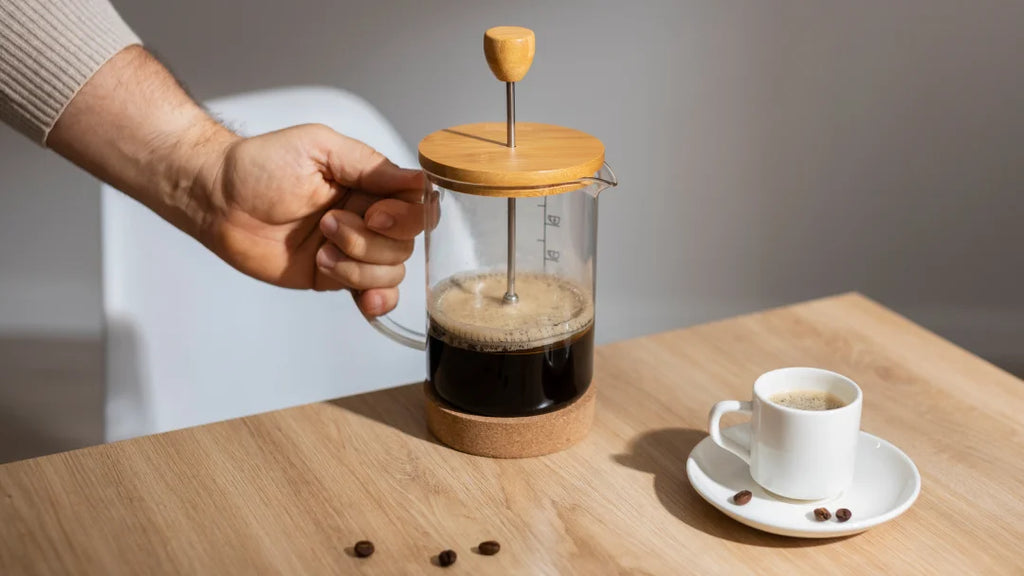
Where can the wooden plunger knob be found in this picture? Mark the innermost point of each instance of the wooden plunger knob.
(509, 51)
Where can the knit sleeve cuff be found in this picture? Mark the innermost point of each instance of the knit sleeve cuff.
(48, 50)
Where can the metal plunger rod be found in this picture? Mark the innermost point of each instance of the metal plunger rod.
(510, 291)
(510, 112)
(509, 51)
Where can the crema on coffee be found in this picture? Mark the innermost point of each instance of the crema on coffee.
(807, 400)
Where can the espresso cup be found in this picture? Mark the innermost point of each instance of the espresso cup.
(803, 454)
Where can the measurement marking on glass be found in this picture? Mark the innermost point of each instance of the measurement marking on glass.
(554, 221)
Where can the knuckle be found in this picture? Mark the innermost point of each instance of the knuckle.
(370, 156)
(407, 248)
(308, 130)
(351, 242)
(351, 273)
(320, 128)
(360, 276)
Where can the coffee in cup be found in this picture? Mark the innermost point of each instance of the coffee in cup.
(807, 400)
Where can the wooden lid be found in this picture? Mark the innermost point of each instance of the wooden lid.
(474, 159)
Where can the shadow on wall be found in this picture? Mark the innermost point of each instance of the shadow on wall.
(1014, 366)
(52, 394)
(129, 404)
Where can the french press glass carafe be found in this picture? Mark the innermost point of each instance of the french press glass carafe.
(511, 242)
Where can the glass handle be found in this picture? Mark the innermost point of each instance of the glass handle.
(398, 333)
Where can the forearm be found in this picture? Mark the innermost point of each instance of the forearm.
(72, 76)
(133, 126)
(48, 49)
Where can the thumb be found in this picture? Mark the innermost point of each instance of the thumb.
(353, 164)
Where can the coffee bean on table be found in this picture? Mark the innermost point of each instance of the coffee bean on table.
(363, 548)
(447, 558)
(843, 514)
(742, 497)
(822, 514)
(489, 548)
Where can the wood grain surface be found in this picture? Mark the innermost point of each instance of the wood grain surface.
(289, 492)
(509, 51)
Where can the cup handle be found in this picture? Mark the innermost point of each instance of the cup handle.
(719, 410)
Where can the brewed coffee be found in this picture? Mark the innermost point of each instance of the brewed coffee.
(814, 400)
(495, 358)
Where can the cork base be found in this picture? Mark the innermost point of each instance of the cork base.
(518, 437)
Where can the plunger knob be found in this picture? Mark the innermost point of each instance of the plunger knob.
(509, 51)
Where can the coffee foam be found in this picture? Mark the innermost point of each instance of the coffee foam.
(808, 400)
(469, 311)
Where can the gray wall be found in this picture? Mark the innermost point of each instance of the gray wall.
(769, 151)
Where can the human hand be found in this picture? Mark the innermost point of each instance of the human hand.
(306, 207)
(303, 207)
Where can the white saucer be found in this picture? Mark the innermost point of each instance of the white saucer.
(885, 484)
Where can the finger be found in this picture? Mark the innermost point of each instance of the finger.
(349, 233)
(324, 283)
(358, 201)
(376, 302)
(395, 218)
(357, 275)
(432, 205)
(353, 164)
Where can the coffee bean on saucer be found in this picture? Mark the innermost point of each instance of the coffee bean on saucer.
(363, 548)
(447, 558)
(843, 514)
(822, 514)
(489, 548)
(742, 497)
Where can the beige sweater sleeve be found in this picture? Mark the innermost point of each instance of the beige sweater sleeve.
(48, 50)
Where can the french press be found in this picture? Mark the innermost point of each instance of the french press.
(511, 246)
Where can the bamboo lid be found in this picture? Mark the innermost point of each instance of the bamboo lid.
(479, 159)
(473, 158)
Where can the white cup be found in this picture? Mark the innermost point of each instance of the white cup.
(798, 454)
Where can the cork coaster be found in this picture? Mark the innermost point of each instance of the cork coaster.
(520, 437)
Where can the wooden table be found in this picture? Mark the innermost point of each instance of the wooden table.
(289, 492)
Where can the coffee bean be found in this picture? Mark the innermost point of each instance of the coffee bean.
(822, 514)
(843, 514)
(742, 497)
(489, 548)
(363, 548)
(447, 558)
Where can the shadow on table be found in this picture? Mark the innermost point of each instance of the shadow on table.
(663, 453)
(400, 408)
